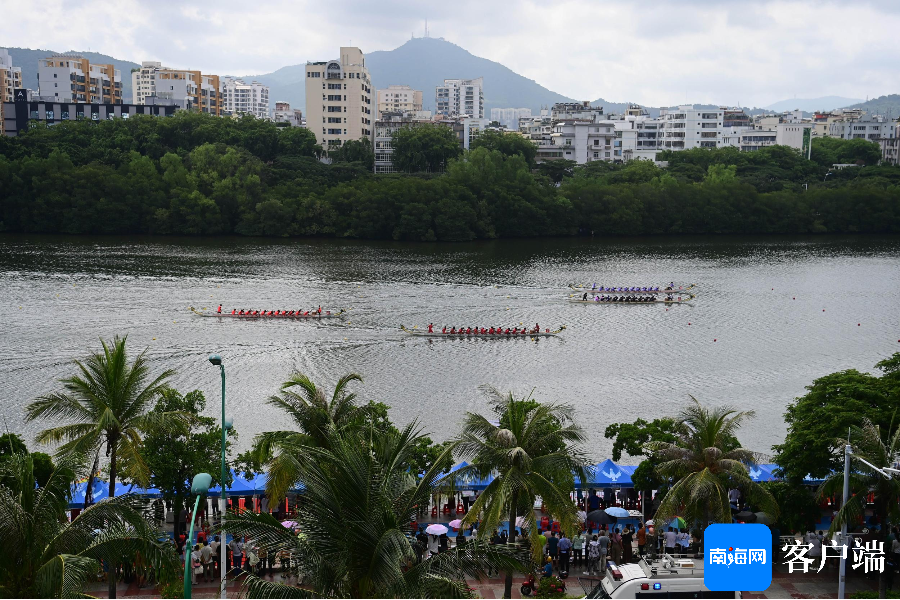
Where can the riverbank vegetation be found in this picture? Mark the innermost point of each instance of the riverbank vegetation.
(195, 174)
(365, 482)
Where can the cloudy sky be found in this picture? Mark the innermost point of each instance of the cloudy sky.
(656, 52)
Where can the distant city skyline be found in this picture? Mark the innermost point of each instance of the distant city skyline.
(654, 53)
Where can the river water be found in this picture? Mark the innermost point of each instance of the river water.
(771, 314)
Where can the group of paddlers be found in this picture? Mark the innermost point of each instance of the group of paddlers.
(668, 288)
(274, 313)
(488, 330)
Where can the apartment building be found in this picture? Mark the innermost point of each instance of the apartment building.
(863, 126)
(187, 89)
(686, 127)
(27, 110)
(384, 129)
(239, 98)
(509, 117)
(399, 98)
(293, 117)
(339, 98)
(584, 141)
(637, 134)
(75, 79)
(890, 144)
(460, 97)
(10, 79)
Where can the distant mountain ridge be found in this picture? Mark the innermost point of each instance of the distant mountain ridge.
(27, 59)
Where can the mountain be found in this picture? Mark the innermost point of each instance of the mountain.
(889, 106)
(423, 64)
(812, 104)
(28, 59)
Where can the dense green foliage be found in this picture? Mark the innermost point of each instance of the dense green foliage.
(799, 509)
(174, 456)
(42, 464)
(832, 404)
(201, 175)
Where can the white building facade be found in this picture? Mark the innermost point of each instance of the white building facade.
(240, 98)
(460, 97)
(339, 99)
(509, 117)
(293, 117)
(399, 98)
(187, 89)
(75, 79)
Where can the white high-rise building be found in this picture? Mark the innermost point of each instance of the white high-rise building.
(186, 88)
(76, 79)
(509, 117)
(339, 98)
(10, 79)
(239, 98)
(460, 97)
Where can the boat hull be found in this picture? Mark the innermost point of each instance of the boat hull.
(584, 288)
(288, 317)
(438, 334)
(682, 301)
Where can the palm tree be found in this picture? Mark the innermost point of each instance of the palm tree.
(531, 452)
(108, 402)
(45, 556)
(359, 498)
(314, 414)
(703, 463)
(868, 445)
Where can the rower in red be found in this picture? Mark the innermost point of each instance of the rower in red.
(431, 328)
(220, 309)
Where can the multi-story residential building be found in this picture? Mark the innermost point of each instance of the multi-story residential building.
(75, 79)
(460, 97)
(637, 135)
(686, 127)
(293, 117)
(383, 137)
(10, 79)
(187, 89)
(509, 117)
(580, 111)
(584, 141)
(890, 144)
(399, 99)
(239, 98)
(864, 127)
(27, 110)
(339, 98)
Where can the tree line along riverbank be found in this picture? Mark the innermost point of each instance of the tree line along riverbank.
(195, 174)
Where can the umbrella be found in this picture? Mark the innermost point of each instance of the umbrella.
(520, 521)
(615, 511)
(746, 516)
(600, 517)
(455, 523)
(763, 518)
(650, 522)
(436, 529)
(289, 524)
(635, 513)
(677, 523)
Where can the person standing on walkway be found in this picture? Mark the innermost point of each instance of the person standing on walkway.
(641, 539)
(565, 551)
(206, 561)
(616, 550)
(593, 556)
(627, 545)
(577, 548)
(671, 537)
(553, 547)
(237, 554)
(603, 542)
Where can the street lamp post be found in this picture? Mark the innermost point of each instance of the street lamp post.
(199, 487)
(216, 360)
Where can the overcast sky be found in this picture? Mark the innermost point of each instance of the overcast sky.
(655, 52)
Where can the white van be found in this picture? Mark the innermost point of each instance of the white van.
(666, 577)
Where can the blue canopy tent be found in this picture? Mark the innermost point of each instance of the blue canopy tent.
(608, 474)
(762, 472)
(101, 491)
(465, 482)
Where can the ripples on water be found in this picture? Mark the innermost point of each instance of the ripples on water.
(615, 363)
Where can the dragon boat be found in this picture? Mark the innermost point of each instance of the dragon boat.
(678, 300)
(310, 314)
(463, 334)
